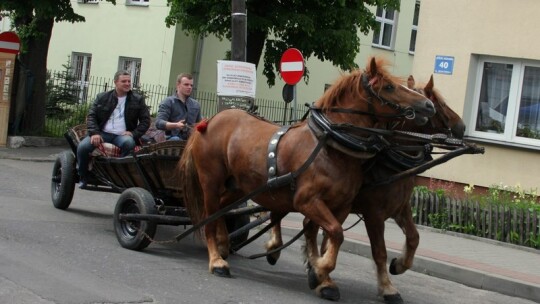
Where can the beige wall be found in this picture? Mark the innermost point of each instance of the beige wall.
(464, 29)
(117, 30)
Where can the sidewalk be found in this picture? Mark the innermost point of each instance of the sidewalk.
(472, 261)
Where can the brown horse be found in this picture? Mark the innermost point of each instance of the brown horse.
(378, 203)
(230, 159)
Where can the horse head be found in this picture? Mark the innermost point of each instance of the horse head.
(375, 93)
(446, 120)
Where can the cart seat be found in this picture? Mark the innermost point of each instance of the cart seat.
(78, 132)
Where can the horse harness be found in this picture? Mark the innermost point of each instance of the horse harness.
(360, 142)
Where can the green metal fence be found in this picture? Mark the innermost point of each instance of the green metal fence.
(74, 113)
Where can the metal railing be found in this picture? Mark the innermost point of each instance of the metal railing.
(85, 92)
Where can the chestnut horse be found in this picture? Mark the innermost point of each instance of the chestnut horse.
(377, 203)
(229, 159)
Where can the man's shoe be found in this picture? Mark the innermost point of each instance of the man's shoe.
(83, 184)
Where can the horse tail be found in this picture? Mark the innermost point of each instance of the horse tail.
(190, 184)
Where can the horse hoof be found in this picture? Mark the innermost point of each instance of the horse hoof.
(392, 267)
(393, 299)
(330, 293)
(271, 260)
(222, 272)
(313, 281)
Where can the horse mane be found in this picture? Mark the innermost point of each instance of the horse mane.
(350, 85)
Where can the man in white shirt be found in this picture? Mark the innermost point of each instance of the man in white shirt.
(119, 117)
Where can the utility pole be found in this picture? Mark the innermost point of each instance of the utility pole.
(239, 30)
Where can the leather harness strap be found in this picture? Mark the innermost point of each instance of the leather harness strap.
(272, 152)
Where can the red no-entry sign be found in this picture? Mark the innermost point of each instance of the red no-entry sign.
(9, 43)
(292, 66)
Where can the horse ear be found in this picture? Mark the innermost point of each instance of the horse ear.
(410, 82)
(373, 67)
(428, 89)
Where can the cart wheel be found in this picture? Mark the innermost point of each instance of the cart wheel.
(63, 180)
(134, 235)
(234, 223)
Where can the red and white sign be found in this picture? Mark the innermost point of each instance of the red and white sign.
(9, 43)
(292, 66)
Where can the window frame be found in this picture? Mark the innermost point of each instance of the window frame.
(135, 73)
(83, 78)
(414, 27)
(508, 137)
(383, 21)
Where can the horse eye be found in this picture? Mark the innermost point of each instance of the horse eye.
(389, 87)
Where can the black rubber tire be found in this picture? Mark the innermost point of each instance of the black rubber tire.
(234, 223)
(134, 235)
(63, 180)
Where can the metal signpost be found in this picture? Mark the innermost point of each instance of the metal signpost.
(291, 68)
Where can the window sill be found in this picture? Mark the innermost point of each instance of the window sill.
(137, 4)
(502, 143)
(386, 48)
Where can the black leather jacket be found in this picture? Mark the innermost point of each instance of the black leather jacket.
(137, 115)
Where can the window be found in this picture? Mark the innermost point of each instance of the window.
(384, 35)
(133, 66)
(81, 64)
(414, 29)
(137, 2)
(507, 101)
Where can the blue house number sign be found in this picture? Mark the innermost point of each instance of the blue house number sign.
(444, 64)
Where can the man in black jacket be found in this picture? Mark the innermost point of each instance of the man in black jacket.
(119, 117)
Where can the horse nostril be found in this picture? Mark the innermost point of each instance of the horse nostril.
(429, 108)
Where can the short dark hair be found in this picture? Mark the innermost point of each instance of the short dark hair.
(120, 73)
(187, 75)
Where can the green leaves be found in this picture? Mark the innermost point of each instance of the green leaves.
(327, 30)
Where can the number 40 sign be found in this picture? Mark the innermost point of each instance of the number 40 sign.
(444, 64)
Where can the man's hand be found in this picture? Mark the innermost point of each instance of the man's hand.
(180, 125)
(96, 139)
(128, 133)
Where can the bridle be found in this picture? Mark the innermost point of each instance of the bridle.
(407, 112)
(445, 122)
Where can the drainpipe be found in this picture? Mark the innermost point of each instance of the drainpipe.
(197, 63)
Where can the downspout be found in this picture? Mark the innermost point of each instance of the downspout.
(197, 62)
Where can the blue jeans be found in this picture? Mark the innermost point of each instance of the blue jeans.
(126, 144)
(174, 138)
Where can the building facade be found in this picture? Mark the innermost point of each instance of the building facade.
(132, 35)
(486, 62)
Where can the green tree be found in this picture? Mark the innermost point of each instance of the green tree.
(327, 30)
(62, 92)
(33, 21)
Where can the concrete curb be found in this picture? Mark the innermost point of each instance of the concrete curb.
(440, 269)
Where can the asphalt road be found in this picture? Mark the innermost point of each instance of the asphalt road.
(53, 256)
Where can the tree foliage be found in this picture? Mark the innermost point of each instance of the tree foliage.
(326, 29)
(33, 21)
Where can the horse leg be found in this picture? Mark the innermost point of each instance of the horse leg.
(322, 266)
(222, 238)
(405, 221)
(375, 230)
(217, 265)
(276, 239)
